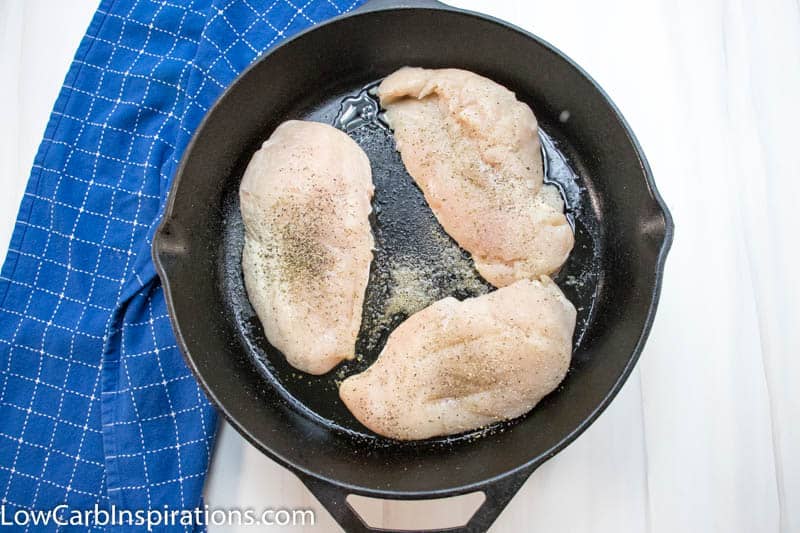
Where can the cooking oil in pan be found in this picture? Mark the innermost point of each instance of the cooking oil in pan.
(361, 109)
(415, 261)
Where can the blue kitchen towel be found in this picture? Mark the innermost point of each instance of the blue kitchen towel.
(96, 404)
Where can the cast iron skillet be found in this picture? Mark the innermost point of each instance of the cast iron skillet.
(623, 231)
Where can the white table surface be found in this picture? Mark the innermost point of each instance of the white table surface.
(705, 435)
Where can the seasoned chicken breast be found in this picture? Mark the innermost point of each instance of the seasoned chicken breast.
(456, 366)
(473, 149)
(305, 201)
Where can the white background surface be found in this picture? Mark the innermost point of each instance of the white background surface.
(705, 435)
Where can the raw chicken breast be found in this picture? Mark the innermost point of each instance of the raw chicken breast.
(473, 149)
(456, 366)
(305, 200)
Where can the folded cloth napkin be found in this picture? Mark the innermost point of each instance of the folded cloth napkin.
(96, 404)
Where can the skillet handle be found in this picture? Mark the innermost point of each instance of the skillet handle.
(380, 5)
(498, 493)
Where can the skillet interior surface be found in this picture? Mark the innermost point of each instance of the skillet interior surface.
(612, 276)
(416, 263)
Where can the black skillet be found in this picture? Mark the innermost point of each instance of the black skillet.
(623, 231)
